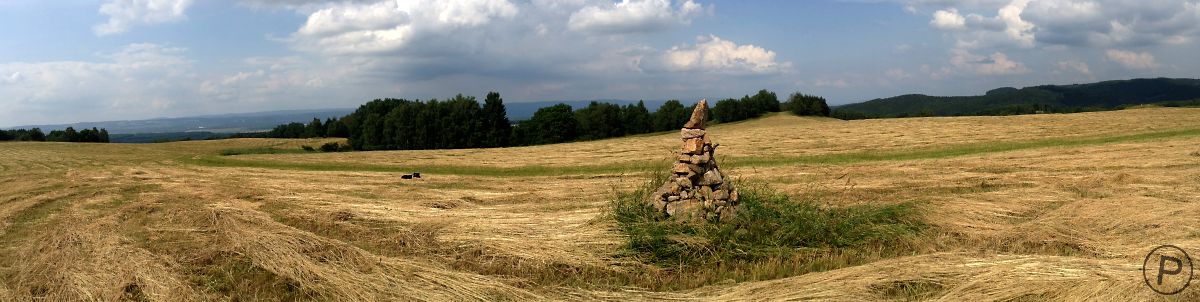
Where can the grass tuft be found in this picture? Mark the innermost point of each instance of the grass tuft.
(771, 226)
(260, 150)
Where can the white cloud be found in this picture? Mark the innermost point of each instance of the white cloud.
(123, 14)
(1132, 60)
(141, 79)
(996, 64)
(974, 31)
(948, 19)
(712, 54)
(1115, 22)
(629, 16)
(1103, 23)
(351, 28)
(1073, 67)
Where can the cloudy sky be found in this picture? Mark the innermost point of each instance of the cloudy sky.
(75, 60)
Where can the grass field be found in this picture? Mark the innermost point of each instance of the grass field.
(1020, 208)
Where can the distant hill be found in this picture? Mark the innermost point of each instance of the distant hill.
(219, 123)
(1047, 98)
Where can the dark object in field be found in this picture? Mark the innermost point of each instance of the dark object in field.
(416, 175)
(406, 176)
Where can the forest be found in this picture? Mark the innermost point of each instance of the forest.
(464, 122)
(69, 134)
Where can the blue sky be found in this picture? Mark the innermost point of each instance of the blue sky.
(72, 61)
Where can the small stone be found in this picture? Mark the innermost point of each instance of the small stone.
(684, 183)
(694, 159)
(699, 116)
(720, 195)
(703, 158)
(681, 168)
(673, 198)
(712, 177)
(728, 213)
(705, 192)
(662, 190)
(733, 196)
(660, 205)
(688, 209)
(695, 169)
(672, 209)
(693, 146)
(720, 202)
(691, 133)
(686, 158)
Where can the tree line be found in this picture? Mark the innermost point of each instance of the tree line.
(464, 122)
(66, 135)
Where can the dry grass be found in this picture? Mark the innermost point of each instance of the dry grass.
(144, 222)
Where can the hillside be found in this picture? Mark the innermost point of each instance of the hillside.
(1019, 208)
(1046, 98)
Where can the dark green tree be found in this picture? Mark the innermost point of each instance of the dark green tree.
(599, 120)
(670, 116)
(552, 124)
(730, 110)
(802, 104)
(36, 135)
(636, 118)
(314, 129)
(495, 120)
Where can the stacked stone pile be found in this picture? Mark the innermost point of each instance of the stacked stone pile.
(697, 190)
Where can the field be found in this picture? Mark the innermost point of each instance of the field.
(1058, 207)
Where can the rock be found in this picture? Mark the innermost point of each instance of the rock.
(695, 169)
(688, 210)
(691, 133)
(672, 209)
(673, 198)
(705, 192)
(699, 116)
(684, 183)
(720, 195)
(662, 190)
(681, 168)
(733, 196)
(720, 202)
(686, 158)
(693, 146)
(712, 177)
(728, 213)
(660, 205)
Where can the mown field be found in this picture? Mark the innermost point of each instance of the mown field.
(1056, 207)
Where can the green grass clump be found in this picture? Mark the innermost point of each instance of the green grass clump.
(261, 150)
(770, 225)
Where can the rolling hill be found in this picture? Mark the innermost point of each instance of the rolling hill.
(1046, 98)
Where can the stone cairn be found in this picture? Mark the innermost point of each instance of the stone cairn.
(696, 190)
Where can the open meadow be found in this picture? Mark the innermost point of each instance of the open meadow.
(1059, 207)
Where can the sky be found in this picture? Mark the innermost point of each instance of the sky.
(73, 61)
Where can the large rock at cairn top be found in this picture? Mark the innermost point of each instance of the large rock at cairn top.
(697, 190)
